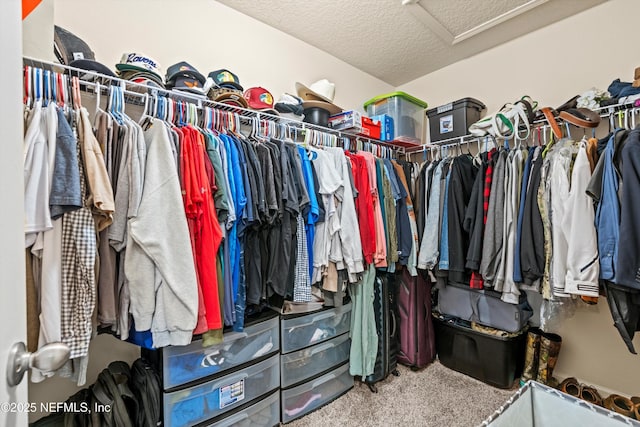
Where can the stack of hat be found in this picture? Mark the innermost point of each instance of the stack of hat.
(224, 86)
(183, 77)
(290, 106)
(260, 99)
(141, 69)
(317, 101)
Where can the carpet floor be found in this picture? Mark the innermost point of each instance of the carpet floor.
(434, 396)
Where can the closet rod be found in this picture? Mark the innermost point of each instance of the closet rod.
(201, 100)
(605, 112)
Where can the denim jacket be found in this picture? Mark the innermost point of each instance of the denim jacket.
(608, 216)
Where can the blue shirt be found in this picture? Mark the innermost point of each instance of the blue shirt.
(314, 207)
(444, 240)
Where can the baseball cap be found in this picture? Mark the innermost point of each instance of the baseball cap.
(139, 62)
(68, 47)
(289, 104)
(90, 65)
(188, 83)
(183, 69)
(225, 78)
(231, 98)
(260, 99)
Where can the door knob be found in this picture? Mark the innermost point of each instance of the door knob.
(49, 358)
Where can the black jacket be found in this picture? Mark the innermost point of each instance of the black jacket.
(463, 175)
(628, 264)
(474, 218)
(532, 241)
(624, 304)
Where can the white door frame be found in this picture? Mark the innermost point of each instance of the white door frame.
(13, 305)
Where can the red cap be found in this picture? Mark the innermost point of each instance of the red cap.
(259, 98)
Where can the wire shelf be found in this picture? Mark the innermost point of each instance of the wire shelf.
(136, 94)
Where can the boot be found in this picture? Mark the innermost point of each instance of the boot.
(549, 350)
(530, 371)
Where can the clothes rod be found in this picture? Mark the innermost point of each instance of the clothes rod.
(201, 100)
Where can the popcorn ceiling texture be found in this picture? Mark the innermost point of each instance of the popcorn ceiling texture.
(388, 41)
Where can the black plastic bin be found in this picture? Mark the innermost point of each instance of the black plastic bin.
(453, 119)
(495, 360)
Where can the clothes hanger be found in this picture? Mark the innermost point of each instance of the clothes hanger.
(26, 78)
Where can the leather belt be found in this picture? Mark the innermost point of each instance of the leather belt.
(550, 115)
(581, 117)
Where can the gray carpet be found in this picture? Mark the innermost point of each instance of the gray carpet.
(433, 396)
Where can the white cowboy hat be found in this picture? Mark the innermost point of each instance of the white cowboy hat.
(319, 94)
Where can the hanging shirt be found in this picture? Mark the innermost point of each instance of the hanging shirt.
(36, 176)
(364, 207)
(608, 216)
(578, 224)
(347, 247)
(517, 268)
(463, 176)
(429, 248)
(380, 255)
(314, 209)
(78, 293)
(159, 262)
(474, 223)
(493, 232)
(97, 176)
(404, 234)
(444, 232)
(532, 239)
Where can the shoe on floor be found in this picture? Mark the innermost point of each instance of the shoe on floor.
(570, 386)
(591, 395)
(636, 406)
(620, 404)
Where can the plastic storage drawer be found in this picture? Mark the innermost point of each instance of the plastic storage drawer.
(303, 331)
(182, 365)
(492, 359)
(209, 400)
(309, 362)
(406, 111)
(264, 413)
(307, 397)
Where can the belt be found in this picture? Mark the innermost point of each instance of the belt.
(581, 117)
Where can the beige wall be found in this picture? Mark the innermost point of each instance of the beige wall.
(37, 31)
(551, 65)
(212, 36)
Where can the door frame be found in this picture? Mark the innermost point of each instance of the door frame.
(13, 304)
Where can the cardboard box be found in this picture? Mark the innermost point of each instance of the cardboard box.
(370, 128)
(346, 120)
(386, 126)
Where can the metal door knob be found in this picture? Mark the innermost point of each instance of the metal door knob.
(49, 358)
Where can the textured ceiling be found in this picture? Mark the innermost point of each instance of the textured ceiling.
(391, 41)
(459, 16)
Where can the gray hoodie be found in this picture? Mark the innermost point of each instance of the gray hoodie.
(493, 232)
(159, 261)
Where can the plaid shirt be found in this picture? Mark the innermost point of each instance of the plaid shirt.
(488, 178)
(302, 281)
(476, 281)
(78, 295)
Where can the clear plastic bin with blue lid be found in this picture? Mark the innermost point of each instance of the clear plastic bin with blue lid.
(406, 111)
